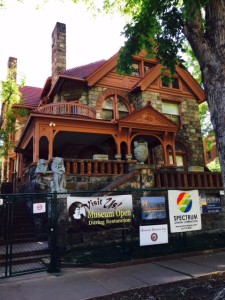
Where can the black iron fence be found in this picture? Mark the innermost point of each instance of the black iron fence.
(115, 245)
(35, 232)
(28, 233)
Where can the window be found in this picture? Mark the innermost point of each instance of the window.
(209, 155)
(167, 83)
(135, 69)
(175, 83)
(171, 111)
(147, 66)
(180, 156)
(114, 107)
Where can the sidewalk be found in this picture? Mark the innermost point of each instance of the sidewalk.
(85, 283)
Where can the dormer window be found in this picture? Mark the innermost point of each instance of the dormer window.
(140, 68)
(174, 84)
(114, 107)
(135, 69)
(147, 66)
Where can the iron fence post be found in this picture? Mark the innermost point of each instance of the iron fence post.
(54, 266)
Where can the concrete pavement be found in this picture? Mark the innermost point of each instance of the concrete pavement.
(86, 283)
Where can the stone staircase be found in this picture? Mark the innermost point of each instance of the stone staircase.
(141, 177)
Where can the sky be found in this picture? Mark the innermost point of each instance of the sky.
(26, 35)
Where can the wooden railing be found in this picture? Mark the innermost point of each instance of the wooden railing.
(95, 167)
(162, 179)
(188, 180)
(68, 108)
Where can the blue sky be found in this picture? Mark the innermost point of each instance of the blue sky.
(26, 35)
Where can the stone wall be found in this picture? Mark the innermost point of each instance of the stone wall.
(191, 132)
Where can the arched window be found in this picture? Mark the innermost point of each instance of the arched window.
(114, 107)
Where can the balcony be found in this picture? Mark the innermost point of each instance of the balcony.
(69, 109)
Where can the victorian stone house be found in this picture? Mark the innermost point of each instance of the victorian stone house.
(93, 118)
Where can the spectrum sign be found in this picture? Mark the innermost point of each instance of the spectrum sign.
(184, 211)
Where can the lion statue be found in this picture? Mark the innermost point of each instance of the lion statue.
(42, 166)
(58, 169)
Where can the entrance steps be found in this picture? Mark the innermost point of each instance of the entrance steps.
(24, 253)
(121, 182)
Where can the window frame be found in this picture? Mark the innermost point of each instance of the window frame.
(172, 116)
(115, 107)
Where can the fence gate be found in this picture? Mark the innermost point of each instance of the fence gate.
(27, 233)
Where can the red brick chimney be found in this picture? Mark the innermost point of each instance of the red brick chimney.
(12, 68)
(58, 50)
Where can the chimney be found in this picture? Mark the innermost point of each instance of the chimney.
(58, 50)
(12, 68)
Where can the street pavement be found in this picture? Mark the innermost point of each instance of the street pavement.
(87, 283)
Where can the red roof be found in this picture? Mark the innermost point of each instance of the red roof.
(83, 71)
(31, 95)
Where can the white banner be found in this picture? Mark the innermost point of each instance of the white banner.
(184, 211)
(153, 235)
(88, 213)
(39, 208)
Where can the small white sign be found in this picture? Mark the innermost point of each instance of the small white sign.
(39, 208)
(153, 234)
(1, 201)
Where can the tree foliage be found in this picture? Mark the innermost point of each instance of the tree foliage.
(214, 166)
(10, 96)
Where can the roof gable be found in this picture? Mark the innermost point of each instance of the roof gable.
(149, 116)
(103, 70)
(189, 80)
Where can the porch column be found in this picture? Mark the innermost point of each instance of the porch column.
(129, 154)
(36, 139)
(51, 139)
(118, 149)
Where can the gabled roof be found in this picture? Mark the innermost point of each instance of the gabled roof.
(91, 73)
(31, 95)
(103, 70)
(147, 117)
(83, 71)
(78, 73)
(192, 83)
(155, 72)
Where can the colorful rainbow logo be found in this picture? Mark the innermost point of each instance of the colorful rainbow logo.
(184, 202)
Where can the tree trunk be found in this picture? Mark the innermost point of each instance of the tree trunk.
(215, 93)
(208, 45)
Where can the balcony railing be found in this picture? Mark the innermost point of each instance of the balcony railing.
(68, 108)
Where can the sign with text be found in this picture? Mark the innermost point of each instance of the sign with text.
(39, 208)
(210, 203)
(93, 213)
(184, 211)
(153, 208)
(153, 234)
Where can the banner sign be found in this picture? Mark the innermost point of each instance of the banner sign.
(153, 235)
(92, 213)
(39, 208)
(184, 211)
(153, 208)
(210, 203)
